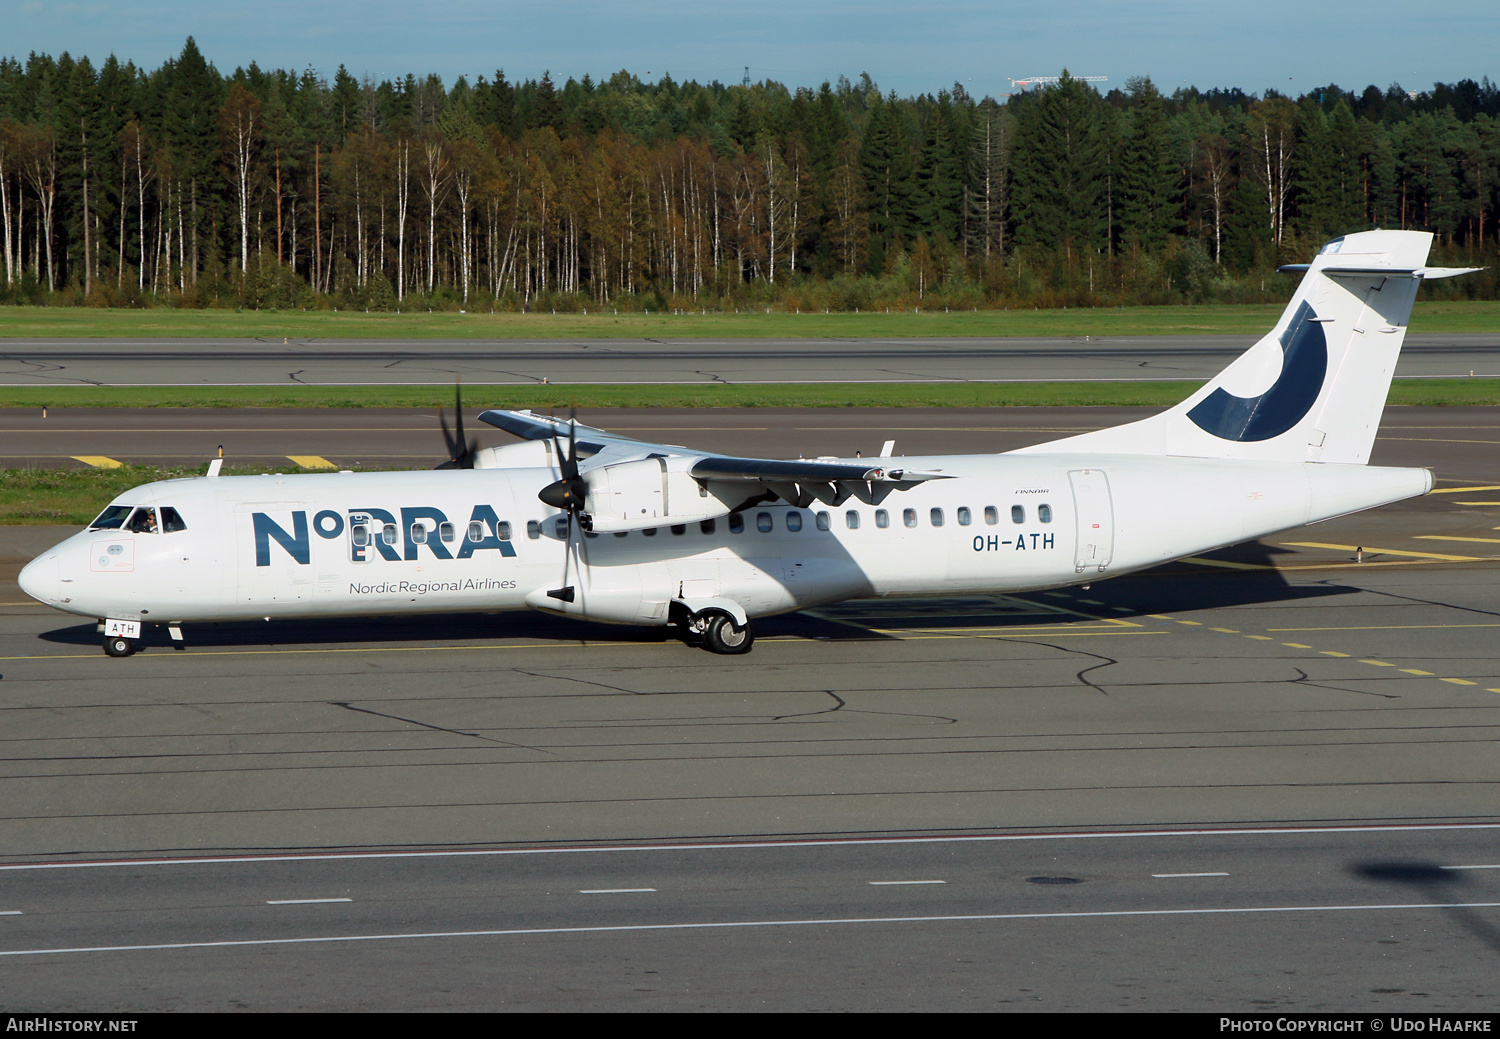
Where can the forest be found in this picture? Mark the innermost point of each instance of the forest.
(185, 187)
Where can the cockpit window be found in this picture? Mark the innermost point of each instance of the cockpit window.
(171, 522)
(142, 521)
(111, 518)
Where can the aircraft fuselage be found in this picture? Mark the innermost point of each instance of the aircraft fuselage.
(353, 544)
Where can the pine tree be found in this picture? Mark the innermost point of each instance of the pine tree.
(1148, 170)
(1058, 190)
(496, 106)
(1327, 172)
(195, 94)
(885, 162)
(546, 110)
(940, 175)
(346, 107)
(989, 178)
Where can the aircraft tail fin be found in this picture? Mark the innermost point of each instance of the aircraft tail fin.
(1313, 389)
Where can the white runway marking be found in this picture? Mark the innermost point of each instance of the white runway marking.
(1247, 831)
(306, 901)
(10, 912)
(898, 883)
(1492, 866)
(1170, 876)
(616, 890)
(735, 924)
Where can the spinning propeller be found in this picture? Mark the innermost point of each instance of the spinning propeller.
(569, 495)
(460, 452)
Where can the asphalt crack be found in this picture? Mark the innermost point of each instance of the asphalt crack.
(437, 728)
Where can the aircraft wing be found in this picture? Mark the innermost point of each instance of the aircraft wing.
(703, 466)
(530, 426)
(619, 473)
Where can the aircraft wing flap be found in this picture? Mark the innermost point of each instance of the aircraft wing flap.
(719, 467)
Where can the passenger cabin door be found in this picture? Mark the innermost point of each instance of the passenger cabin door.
(1094, 517)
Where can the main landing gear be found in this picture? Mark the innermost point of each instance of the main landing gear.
(722, 635)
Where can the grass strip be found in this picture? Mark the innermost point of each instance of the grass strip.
(1432, 392)
(76, 496)
(273, 325)
(537, 397)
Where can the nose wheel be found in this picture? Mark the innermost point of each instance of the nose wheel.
(119, 646)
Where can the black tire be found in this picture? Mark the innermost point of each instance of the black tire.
(722, 635)
(119, 646)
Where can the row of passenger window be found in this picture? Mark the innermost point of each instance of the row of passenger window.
(764, 522)
(936, 517)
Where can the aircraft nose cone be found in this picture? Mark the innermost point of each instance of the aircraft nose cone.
(39, 579)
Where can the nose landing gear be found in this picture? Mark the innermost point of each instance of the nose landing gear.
(119, 645)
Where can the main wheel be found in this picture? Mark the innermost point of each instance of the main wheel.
(722, 635)
(119, 646)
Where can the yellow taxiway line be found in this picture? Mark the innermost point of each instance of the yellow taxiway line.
(1454, 537)
(312, 461)
(1371, 550)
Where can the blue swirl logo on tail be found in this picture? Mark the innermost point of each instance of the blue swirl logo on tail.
(1304, 363)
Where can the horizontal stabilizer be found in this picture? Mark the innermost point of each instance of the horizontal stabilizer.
(1423, 273)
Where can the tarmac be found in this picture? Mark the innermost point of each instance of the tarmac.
(1261, 780)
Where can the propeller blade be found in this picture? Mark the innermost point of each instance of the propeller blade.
(458, 412)
(468, 447)
(460, 453)
(448, 440)
(569, 465)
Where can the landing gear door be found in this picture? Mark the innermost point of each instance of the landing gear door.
(1094, 517)
(361, 537)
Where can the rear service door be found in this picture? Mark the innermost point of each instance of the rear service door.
(1094, 517)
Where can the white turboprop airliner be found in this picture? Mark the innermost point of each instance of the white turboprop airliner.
(579, 522)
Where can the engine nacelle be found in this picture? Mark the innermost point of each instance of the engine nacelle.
(528, 454)
(646, 493)
(614, 594)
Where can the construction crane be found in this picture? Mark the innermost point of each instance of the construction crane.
(1030, 81)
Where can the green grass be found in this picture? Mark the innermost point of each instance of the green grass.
(536, 397)
(76, 496)
(83, 322)
(709, 395)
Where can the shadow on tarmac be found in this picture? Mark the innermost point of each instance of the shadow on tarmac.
(1173, 587)
(1429, 882)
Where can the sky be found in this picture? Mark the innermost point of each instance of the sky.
(909, 47)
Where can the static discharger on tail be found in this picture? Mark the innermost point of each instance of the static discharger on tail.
(583, 523)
